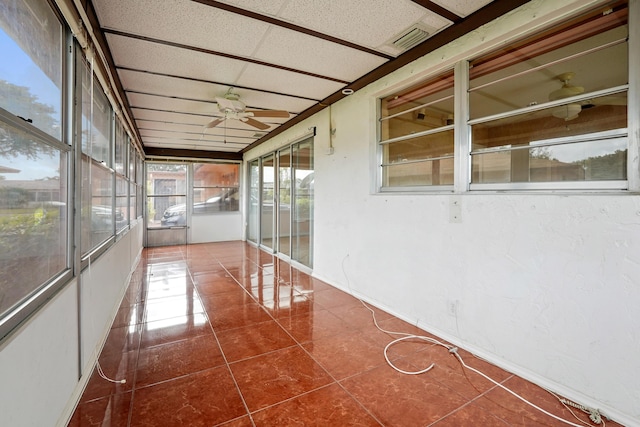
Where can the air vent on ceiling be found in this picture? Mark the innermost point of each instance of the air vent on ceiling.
(410, 38)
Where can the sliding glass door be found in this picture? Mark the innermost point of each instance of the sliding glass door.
(267, 217)
(284, 202)
(302, 218)
(253, 208)
(280, 202)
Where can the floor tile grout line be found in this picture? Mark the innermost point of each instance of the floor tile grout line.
(334, 380)
(358, 400)
(226, 364)
(135, 377)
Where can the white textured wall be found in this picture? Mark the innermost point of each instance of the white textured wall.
(219, 227)
(39, 364)
(39, 378)
(544, 285)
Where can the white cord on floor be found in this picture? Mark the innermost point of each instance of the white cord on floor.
(453, 350)
(101, 373)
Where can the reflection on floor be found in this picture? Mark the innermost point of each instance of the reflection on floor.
(226, 334)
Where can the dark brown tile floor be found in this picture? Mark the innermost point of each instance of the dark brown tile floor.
(226, 334)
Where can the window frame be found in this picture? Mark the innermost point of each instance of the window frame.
(463, 153)
(193, 187)
(11, 319)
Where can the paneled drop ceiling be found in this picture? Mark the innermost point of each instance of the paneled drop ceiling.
(173, 58)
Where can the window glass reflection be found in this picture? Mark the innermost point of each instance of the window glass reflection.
(166, 201)
(98, 216)
(215, 188)
(31, 66)
(33, 215)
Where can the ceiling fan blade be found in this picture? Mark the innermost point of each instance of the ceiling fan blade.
(269, 113)
(214, 123)
(255, 123)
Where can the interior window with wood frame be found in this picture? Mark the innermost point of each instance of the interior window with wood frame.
(416, 135)
(553, 108)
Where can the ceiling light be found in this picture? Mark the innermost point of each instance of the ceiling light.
(347, 91)
(567, 112)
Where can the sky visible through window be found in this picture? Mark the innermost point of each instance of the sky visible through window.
(18, 69)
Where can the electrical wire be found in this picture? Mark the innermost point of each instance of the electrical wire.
(454, 351)
(101, 373)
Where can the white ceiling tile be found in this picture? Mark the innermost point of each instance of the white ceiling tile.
(275, 80)
(143, 55)
(169, 86)
(183, 21)
(462, 7)
(166, 116)
(171, 104)
(307, 53)
(355, 21)
(180, 118)
(194, 139)
(148, 128)
(271, 7)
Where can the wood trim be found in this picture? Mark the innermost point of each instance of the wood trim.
(547, 42)
(217, 53)
(439, 10)
(194, 154)
(290, 26)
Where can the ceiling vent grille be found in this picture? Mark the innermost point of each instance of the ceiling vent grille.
(410, 38)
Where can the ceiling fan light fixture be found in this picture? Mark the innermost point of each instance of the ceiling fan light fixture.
(567, 112)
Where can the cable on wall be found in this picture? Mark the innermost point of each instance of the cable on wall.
(594, 413)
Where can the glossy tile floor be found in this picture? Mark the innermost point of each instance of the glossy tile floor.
(226, 334)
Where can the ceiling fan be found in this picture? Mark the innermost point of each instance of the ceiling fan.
(231, 108)
(568, 111)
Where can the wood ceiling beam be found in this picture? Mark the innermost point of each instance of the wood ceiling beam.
(288, 25)
(439, 10)
(217, 53)
(191, 154)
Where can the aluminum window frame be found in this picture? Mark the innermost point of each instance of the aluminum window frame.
(463, 153)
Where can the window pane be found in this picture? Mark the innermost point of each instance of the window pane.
(425, 147)
(166, 190)
(519, 78)
(133, 159)
(605, 113)
(424, 107)
(122, 203)
(401, 169)
(98, 214)
(132, 202)
(583, 161)
(434, 172)
(254, 196)
(31, 65)
(33, 215)
(303, 201)
(120, 147)
(139, 201)
(215, 188)
(96, 119)
(421, 108)
(535, 129)
(574, 141)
